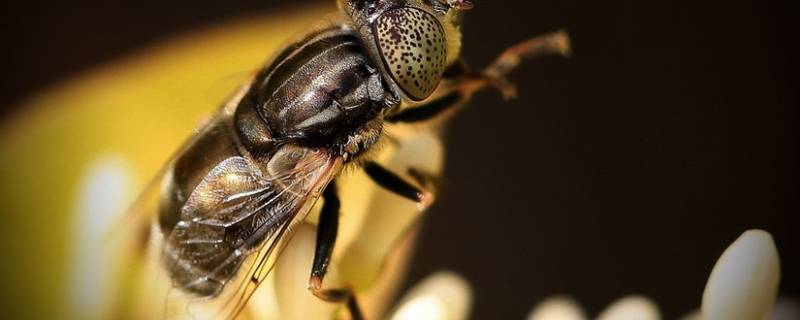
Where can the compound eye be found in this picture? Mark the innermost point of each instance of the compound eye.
(413, 48)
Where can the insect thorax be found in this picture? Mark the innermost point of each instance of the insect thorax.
(323, 91)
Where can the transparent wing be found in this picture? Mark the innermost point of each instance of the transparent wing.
(233, 225)
(140, 242)
(210, 226)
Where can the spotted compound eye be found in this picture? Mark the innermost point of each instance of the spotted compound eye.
(413, 49)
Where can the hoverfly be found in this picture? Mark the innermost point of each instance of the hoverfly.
(234, 192)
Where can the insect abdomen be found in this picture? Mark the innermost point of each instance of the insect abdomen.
(199, 249)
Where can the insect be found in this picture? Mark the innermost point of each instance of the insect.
(234, 192)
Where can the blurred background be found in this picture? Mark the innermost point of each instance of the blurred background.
(627, 168)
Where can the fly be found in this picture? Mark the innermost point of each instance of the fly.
(236, 189)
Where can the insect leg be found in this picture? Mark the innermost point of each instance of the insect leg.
(390, 181)
(429, 110)
(464, 83)
(326, 238)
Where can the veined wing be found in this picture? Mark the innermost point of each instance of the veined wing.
(235, 222)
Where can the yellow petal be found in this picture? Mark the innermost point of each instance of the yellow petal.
(631, 308)
(442, 296)
(557, 308)
(744, 282)
(382, 293)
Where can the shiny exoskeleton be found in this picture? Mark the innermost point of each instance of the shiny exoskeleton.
(257, 167)
(322, 94)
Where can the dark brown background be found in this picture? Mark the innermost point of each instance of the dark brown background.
(626, 169)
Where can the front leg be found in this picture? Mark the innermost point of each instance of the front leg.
(397, 185)
(327, 231)
(459, 84)
(328, 227)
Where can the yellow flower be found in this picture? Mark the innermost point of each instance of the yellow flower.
(75, 154)
(88, 146)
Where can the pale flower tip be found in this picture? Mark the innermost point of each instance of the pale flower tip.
(744, 281)
(631, 308)
(441, 296)
(557, 308)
